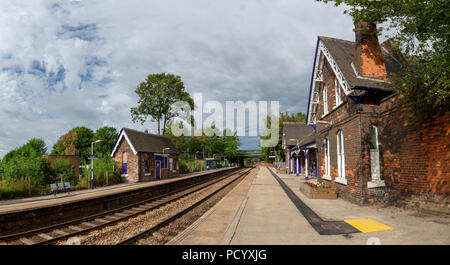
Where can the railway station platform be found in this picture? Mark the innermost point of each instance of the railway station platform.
(260, 211)
(14, 205)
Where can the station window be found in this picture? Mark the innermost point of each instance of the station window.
(340, 155)
(325, 101)
(337, 91)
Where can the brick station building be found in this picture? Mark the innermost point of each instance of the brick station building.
(367, 149)
(144, 156)
(299, 145)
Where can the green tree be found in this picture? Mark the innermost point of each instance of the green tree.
(76, 142)
(26, 162)
(108, 136)
(63, 170)
(278, 149)
(421, 31)
(156, 96)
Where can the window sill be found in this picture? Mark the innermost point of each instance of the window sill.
(337, 106)
(341, 181)
(376, 184)
(327, 177)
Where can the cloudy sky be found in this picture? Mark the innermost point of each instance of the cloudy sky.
(76, 63)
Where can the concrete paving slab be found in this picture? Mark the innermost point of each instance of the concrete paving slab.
(217, 224)
(265, 215)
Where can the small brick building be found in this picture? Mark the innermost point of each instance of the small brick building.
(367, 149)
(144, 156)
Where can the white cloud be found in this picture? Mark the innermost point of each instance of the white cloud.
(73, 63)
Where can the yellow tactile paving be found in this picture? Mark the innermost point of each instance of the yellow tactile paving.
(368, 225)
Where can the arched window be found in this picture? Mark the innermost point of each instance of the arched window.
(340, 155)
(325, 101)
(374, 158)
(327, 156)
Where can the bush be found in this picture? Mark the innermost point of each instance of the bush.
(23, 167)
(183, 166)
(105, 169)
(19, 188)
(63, 170)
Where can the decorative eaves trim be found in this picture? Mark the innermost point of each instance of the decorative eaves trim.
(123, 134)
(321, 53)
(334, 66)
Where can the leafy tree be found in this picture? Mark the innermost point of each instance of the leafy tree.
(66, 144)
(223, 146)
(76, 142)
(33, 146)
(63, 170)
(278, 149)
(156, 96)
(421, 31)
(108, 136)
(26, 162)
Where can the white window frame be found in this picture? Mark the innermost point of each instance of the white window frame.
(340, 158)
(337, 90)
(375, 182)
(325, 100)
(327, 174)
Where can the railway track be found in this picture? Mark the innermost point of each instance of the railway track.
(149, 231)
(61, 231)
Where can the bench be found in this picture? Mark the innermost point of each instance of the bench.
(55, 187)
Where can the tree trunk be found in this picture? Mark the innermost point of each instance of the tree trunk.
(164, 125)
(159, 127)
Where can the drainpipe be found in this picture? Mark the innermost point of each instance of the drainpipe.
(139, 168)
(363, 183)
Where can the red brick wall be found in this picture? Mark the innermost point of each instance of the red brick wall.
(165, 173)
(74, 160)
(414, 157)
(133, 164)
(132, 161)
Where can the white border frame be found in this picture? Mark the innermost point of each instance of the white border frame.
(123, 134)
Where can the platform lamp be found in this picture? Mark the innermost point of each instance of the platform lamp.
(167, 148)
(92, 162)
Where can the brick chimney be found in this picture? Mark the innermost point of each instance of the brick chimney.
(368, 59)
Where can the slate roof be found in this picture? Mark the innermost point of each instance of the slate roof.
(308, 139)
(343, 53)
(296, 130)
(150, 143)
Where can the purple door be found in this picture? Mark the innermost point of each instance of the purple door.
(124, 162)
(158, 169)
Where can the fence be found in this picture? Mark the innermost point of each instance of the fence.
(279, 164)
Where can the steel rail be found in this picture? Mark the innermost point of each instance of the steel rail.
(181, 193)
(179, 214)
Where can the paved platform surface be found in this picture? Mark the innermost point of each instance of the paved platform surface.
(258, 211)
(50, 200)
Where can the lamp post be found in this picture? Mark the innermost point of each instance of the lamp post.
(92, 162)
(167, 148)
